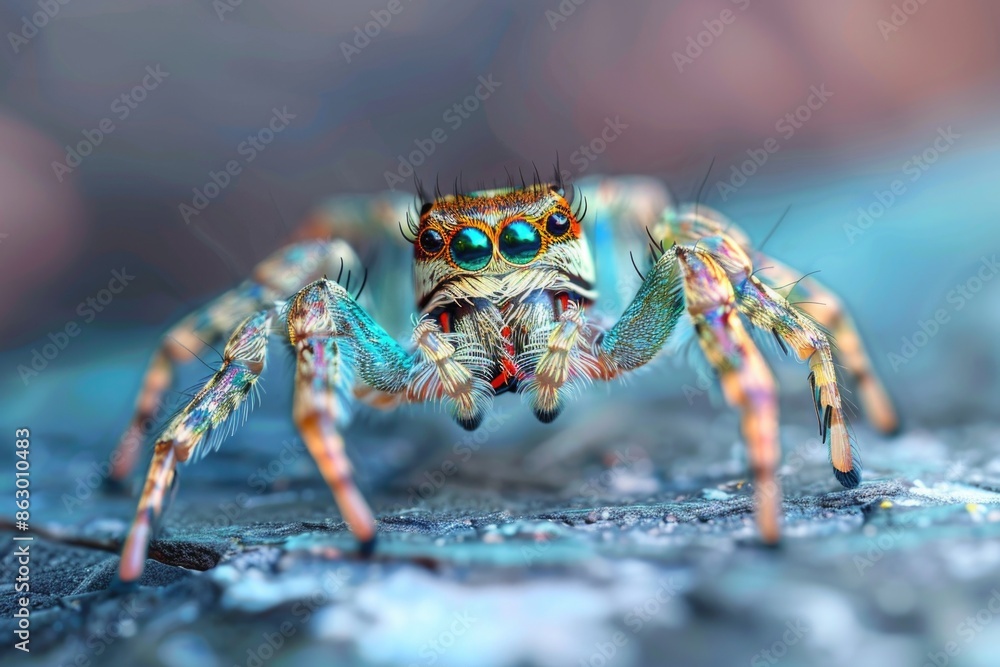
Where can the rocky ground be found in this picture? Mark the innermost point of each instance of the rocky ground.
(620, 535)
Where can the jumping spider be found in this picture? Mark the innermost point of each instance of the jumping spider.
(503, 280)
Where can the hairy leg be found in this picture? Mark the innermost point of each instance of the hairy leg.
(706, 227)
(281, 274)
(324, 380)
(682, 279)
(826, 309)
(225, 393)
(792, 328)
(747, 383)
(339, 348)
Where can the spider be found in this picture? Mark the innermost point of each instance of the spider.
(503, 281)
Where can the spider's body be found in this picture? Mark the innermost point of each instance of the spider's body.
(503, 279)
(500, 266)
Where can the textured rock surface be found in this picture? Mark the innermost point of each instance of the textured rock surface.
(625, 527)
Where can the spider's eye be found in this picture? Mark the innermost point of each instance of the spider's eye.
(471, 249)
(520, 242)
(558, 224)
(431, 241)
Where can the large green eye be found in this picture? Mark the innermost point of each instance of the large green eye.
(520, 242)
(471, 249)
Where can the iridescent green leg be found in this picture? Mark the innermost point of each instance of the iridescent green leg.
(647, 323)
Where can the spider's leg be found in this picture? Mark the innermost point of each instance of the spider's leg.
(793, 328)
(180, 345)
(321, 330)
(281, 274)
(826, 309)
(554, 357)
(450, 367)
(703, 225)
(680, 276)
(339, 347)
(224, 393)
(643, 329)
(746, 380)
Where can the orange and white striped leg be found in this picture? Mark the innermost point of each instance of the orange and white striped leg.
(747, 382)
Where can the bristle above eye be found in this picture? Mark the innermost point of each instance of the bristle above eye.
(421, 192)
(558, 186)
(581, 209)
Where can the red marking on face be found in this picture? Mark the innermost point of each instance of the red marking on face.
(563, 298)
(508, 369)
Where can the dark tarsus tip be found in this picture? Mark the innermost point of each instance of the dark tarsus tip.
(897, 431)
(116, 487)
(366, 549)
(850, 479)
(120, 586)
(547, 416)
(771, 546)
(471, 423)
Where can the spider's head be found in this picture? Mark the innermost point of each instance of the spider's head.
(499, 244)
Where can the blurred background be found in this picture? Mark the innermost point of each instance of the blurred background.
(896, 74)
(152, 151)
